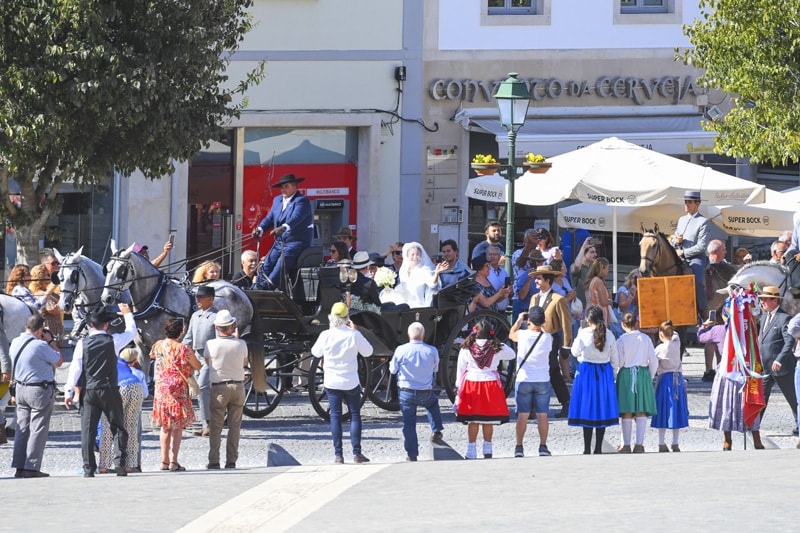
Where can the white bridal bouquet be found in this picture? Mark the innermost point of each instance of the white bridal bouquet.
(385, 277)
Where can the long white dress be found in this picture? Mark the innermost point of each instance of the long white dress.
(416, 287)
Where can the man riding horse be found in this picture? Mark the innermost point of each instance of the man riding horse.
(690, 241)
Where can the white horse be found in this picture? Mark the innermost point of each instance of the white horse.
(81, 283)
(765, 273)
(155, 298)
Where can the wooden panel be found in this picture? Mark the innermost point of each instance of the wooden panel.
(667, 298)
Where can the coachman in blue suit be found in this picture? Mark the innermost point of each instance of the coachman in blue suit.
(291, 222)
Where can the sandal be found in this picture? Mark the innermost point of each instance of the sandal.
(164, 466)
(176, 467)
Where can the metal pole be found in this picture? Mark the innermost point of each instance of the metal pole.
(511, 176)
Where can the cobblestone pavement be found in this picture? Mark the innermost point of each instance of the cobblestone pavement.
(295, 426)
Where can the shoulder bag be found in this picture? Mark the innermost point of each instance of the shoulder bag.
(530, 350)
(12, 387)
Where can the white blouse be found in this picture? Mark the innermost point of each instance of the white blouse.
(468, 369)
(635, 349)
(669, 355)
(583, 347)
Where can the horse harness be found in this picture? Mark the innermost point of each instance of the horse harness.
(154, 302)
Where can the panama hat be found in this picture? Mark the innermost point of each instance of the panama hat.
(224, 319)
(770, 292)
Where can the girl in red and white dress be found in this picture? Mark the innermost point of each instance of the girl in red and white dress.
(481, 399)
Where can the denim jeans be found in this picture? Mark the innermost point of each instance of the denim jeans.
(797, 389)
(409, 401)
(353, 399)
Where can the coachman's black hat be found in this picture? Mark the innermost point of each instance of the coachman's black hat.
(288, 178)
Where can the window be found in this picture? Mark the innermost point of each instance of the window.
(514, 7)
(643, 6)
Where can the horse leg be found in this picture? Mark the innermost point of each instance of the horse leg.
(681, 331)
(794, 274)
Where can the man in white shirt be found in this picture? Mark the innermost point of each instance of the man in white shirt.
(226, 358)
(532, 386)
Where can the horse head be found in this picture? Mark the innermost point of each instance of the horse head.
(657, 256)
(69, 278)
(123, 269)
(648, 250)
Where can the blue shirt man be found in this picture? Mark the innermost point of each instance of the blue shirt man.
(415, 365)
(291, 220)
(457, 270)
(494, 234)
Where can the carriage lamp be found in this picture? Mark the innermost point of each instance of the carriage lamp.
(512, 99)
(347, 274)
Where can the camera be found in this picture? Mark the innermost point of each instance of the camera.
(524, 316)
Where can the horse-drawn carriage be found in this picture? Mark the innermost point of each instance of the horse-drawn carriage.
(291, 333)
(284, 326)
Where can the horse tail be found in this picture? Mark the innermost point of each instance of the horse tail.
(255, 351)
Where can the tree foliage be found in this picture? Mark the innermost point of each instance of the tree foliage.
(751, 50)
(92, 86)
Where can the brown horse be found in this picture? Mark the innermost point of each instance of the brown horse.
(658, 257)
(716, 278)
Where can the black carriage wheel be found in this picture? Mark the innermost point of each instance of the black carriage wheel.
(260, 404)
(316, 390)
(448, 352)
(382, 388)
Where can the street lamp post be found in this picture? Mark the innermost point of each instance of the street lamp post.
(512, 99)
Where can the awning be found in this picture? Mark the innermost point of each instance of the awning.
(672, 130)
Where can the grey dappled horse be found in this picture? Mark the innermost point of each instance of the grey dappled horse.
(765, 273)
(156, 298)
(15, 313)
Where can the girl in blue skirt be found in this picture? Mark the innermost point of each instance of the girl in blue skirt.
(635, 366)
(594, 397)
(673, 411)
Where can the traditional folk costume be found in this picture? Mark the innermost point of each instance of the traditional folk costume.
(737, 395)
(594, 396)
(635, 364)
(673, 410)
(481, 398)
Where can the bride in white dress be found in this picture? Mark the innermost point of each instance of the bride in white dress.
(417, 285)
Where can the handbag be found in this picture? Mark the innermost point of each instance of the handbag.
(576, 308)
(194, 387)
(612, 316)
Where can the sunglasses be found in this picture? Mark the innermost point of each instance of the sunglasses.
(398, 252)
(55, 264)
(332, 250)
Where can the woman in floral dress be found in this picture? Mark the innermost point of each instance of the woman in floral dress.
(172, 406)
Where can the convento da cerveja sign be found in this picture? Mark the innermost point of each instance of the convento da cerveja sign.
(639, 90)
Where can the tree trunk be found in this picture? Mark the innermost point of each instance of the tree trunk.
(33, 211)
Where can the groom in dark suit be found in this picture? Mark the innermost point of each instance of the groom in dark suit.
(776, 346)
(291, 220)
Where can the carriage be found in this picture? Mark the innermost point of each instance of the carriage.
(293, 320)
(284, 326)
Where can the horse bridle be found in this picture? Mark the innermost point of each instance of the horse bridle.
(121, 273)
(651, 261)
